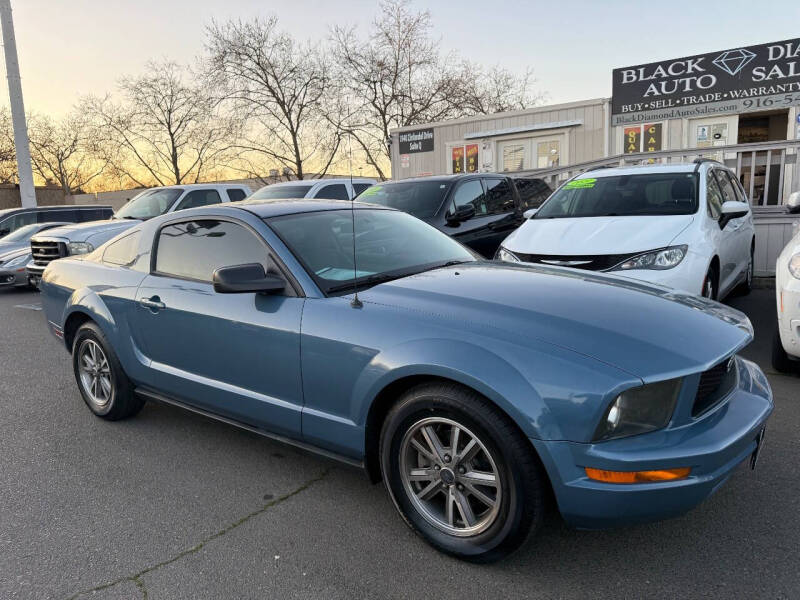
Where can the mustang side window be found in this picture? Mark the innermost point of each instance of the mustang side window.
(195, 249)
(123, 251)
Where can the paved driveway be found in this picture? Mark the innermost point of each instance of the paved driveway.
(171, 505)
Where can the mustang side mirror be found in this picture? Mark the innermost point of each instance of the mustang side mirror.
(732, 210)
(241, 279)
(462, 213)
(793, 202)
(528, 214)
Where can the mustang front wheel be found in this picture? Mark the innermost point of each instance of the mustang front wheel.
(447, 457)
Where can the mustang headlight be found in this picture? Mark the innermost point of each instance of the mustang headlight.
(506, 255)
(639, 410)
(80, 248)
(794, 266)
(665, 258)
(20, 261)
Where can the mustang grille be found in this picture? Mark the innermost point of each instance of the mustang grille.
(597, 262)
(46, 252)
(715, 384)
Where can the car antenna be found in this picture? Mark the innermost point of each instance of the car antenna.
(355, 302)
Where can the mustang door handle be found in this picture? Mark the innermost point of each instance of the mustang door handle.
(153, 303)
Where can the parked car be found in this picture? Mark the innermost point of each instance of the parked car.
(85, 237)
(12, 219)
(21, 238)
(326, 189)
(472, 387)
(687, 226)
(478, 210)
(786, 339)
(12, 268)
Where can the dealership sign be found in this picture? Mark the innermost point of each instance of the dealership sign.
(420, 140)
(742, 79)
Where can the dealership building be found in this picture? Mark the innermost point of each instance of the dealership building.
(739, 106)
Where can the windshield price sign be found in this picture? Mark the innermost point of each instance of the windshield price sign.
(760, 77)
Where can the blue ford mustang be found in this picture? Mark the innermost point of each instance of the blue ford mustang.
(472, 388)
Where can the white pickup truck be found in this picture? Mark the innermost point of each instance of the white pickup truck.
(83, 238)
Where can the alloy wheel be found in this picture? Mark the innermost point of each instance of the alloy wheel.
(450, 476)
(95, 373)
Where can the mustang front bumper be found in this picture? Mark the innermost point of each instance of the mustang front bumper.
(713, 445)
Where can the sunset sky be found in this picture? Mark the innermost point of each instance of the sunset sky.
(72, 47)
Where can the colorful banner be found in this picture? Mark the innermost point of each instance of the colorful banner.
(458, 159)
(472, 158)
(652, 137)
(633, 139)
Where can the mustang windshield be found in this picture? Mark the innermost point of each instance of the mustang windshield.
(389, 245)
(149, 204)
(624, 195)
(23, 234)
(419, 198)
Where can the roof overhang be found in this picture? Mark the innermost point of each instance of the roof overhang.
(523, 129)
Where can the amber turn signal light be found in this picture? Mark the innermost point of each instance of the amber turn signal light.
(637, 476)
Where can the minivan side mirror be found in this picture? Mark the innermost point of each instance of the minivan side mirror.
(793, 202)
(528, 214)
(250, 278)
(732, 210)
(463, 213)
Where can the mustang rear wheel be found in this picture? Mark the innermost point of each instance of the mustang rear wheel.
(103, 384)
(460, 473)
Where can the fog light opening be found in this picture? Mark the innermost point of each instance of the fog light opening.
(638, 476)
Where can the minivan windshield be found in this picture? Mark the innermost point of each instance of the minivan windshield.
(419, 198)
(624, 195)
(281, 192)
(149, 204)
(389, 245)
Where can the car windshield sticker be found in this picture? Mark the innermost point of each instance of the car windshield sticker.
(371, 191)
(579, 184)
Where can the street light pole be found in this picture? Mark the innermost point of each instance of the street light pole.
(26, 189)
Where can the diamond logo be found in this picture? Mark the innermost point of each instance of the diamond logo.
(734, 61)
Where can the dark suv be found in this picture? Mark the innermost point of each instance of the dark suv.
(12, 219)
(479, 210)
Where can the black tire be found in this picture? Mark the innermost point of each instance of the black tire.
(710, 287)
(122, 402)
(746, 286)
(519, 497)
(780, 360)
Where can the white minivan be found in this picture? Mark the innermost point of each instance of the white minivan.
(686, 226)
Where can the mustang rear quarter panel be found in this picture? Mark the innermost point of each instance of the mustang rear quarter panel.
(349, 355)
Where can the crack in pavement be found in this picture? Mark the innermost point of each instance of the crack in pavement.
(136, 578)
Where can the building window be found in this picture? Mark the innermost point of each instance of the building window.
(643, 138)
(548, 154)
(513, 157)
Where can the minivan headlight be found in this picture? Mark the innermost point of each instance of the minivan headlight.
(794, 266)
(666, 258)
(639, 410)
(80, 248)
(506, 255)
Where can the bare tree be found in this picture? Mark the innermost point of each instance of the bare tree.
(400, 78)
(63, 152)
(163, 130)
(278, 85)
(8, 156)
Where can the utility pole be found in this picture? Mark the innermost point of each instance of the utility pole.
(26, 190)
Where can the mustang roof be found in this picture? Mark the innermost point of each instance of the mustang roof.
(275, 208)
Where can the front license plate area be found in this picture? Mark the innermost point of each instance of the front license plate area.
(759, 446)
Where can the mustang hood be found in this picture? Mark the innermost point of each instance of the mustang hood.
(596, 235)
(83, 232)
(649, 331)
(7, 255)
(7, 247)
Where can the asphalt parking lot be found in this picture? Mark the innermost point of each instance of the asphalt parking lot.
(171, 505)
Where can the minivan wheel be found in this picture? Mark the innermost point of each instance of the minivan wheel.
(710, 284)
(103, 384)
(460, 473)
